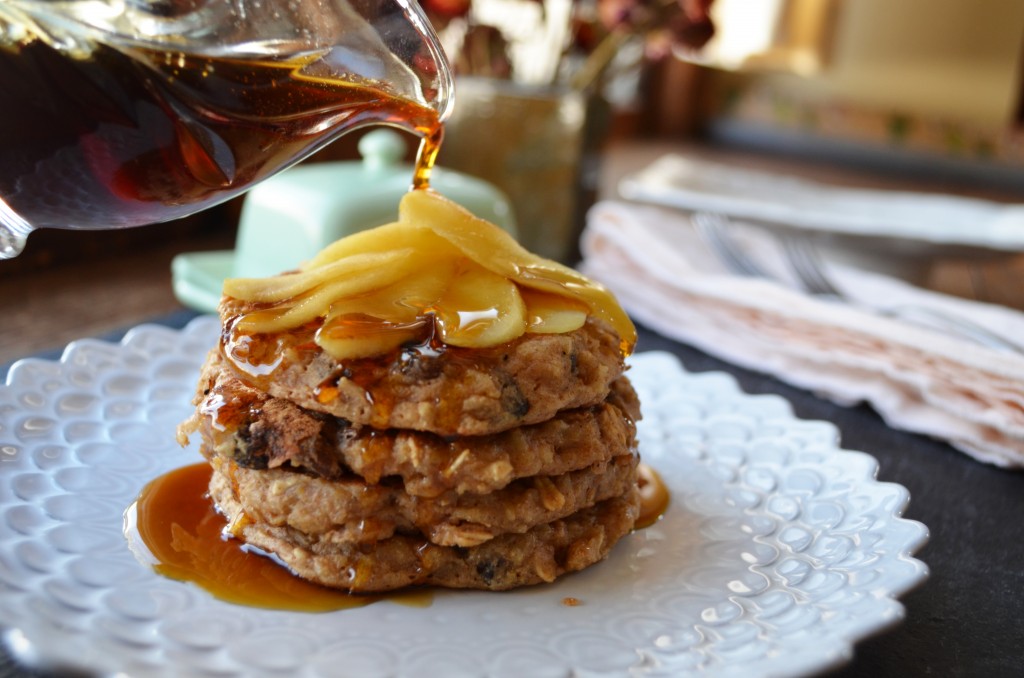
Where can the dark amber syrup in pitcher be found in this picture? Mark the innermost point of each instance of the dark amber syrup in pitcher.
(129, 136)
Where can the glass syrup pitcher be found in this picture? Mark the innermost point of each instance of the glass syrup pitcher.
(118, 113)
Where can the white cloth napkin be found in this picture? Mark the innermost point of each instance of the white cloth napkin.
(919, 379)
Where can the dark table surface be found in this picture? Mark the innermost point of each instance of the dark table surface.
(967, 619)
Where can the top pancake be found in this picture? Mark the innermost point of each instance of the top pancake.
(444, 390)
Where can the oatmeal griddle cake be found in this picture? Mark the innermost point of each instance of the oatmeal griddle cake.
(256, 430)
(352, 510)
(539, 555)
(452, 391)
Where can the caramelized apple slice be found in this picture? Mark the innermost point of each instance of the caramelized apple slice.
(363, 271)
(373, 324)
(350, 336)
(382, 239)
(314, 304)
(551, 313)
(479, 240)
(568, 283)
(480, 308)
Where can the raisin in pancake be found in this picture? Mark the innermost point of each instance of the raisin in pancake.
(352, 510)
(541, 554)
(448, 391)
(239, 422)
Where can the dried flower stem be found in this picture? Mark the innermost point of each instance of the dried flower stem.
(598, 61)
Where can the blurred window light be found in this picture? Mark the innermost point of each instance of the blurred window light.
(770, 35)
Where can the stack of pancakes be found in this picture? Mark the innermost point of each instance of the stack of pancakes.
(484, 468)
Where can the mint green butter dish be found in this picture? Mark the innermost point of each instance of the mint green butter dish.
(290, 217)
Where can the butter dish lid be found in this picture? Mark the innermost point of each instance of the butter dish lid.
(290, 217)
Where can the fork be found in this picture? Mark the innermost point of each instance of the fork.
(713, 229)
(806, 264)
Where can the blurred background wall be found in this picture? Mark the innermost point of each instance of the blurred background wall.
(931, 84)
(945, 58)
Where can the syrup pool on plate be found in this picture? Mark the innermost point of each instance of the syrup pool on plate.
(174, 526)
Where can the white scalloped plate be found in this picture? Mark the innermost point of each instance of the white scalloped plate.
(778, 552)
